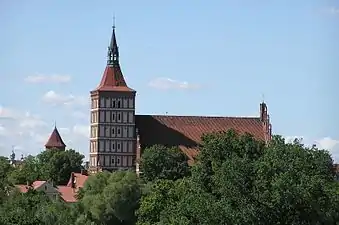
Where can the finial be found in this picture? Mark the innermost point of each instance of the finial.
(13, 154)
(263, 98)
(113, 21)
(54, 123)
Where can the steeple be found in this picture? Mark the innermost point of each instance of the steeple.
(55, 141)
(113, 79)
(113, 51)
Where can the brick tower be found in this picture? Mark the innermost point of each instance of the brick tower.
(112, 135)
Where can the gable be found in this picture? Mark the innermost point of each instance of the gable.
(47, 187)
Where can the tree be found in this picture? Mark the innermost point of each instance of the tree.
(21, 209)
(111, 198)
(28, 172)
(58, 165)
(52, 165)
(154, 201)
(57, 212)
(243, 181)
(5, 184)
(159, 162)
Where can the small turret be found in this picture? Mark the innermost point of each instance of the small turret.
(55, 141)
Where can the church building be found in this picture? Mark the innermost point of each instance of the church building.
(118, 136)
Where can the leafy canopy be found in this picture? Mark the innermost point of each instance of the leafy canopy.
(159, 162)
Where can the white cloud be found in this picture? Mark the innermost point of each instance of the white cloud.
(81, 130)
(23, 119)
(19, 128)
(2, 130)
(168, 83)
(55, 78)
(331, 145)
(24, 129)
(51, 97)
(80, 115)
(327, 143)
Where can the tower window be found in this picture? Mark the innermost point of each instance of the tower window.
(119, 103)
(118, 146)
(113, 160)
(113, 103)
(118, 161)
(119, 116)
(113, 117)
(113, 131)
(118, 131)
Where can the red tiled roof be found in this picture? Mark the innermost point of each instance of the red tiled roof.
(113, 80)
(68, 194)
(24, 188)
(80, 180)
(55, 140)
(186, 131)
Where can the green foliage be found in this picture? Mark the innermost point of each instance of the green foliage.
(5, 184)
(52, 165)
(58, 165)
(236, 180)
(239, 180)
(56, 213)
(115, 200)
(21, 208)
(159, 162)
(28, 172)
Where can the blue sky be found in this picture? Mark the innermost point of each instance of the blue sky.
(183, 57)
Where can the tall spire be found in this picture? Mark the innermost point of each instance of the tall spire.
(113, 51)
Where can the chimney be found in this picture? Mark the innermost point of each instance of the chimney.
(72, 180)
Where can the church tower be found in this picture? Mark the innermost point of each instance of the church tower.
(112, 135)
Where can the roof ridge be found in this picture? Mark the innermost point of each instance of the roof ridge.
(204, 116)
